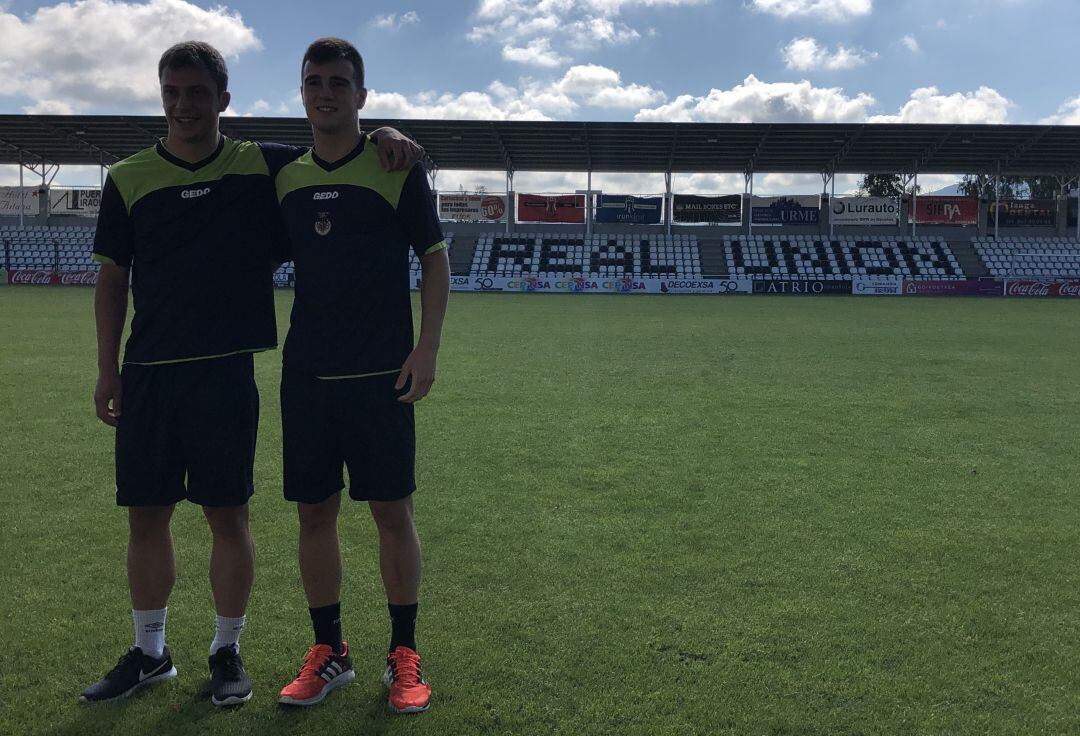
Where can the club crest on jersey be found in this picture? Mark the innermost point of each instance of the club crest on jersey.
(322, 223)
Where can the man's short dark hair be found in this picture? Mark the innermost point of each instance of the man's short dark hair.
(323, 50)
(197, 55)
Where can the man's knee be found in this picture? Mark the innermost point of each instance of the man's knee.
(319, 517)
(227, 521)
(393, 517)
(149, 522)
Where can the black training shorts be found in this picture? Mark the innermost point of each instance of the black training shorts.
(352, 422)
(187, 431)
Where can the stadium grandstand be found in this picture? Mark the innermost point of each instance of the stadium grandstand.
(596, 241)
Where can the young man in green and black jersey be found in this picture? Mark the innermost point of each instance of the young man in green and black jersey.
(351, 371)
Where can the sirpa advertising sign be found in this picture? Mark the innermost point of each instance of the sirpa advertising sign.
(864, 211)
(472, 207)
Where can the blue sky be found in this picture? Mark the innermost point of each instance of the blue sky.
(725, 60)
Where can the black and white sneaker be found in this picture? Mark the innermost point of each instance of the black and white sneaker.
(135, 670)
(229, 684)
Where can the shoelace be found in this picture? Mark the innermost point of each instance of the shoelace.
(231, 664)
(406, 668)
(313, 662)
(130, 659)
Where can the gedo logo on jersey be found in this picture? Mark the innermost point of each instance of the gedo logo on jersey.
(325, 195)
(194, 193)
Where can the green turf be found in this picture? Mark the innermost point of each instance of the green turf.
(640, 515)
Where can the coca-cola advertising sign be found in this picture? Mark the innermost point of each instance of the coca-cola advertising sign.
(77, 278)
(1067, 289)
(24, 276)
(946, 210)
(32, 277)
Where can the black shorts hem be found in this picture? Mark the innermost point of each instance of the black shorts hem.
(310, 496)
(361, 494)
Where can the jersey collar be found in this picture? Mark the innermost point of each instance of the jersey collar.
(327, 166)
(163, 152)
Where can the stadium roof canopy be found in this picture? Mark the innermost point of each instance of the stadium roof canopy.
(1030, 150)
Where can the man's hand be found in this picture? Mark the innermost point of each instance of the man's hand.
(421, 366)
(107, 397)
(397, 152)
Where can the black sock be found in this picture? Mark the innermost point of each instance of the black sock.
(327, 623)
(403, 626)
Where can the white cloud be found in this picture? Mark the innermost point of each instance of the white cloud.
(498, 103)
(602, 87)
(102, 54)
(537, 53)
(530, 99)
(392, 21)
(928, 105)
(49, 107)
(833, 11)
(806, 54)
(561, 24)
(911, 44)
(1067, 114)
(756, 101)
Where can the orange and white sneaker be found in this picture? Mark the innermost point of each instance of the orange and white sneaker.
(323, 670)
(409, 692)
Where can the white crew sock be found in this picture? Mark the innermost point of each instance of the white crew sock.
(227, 633)
(150, 631)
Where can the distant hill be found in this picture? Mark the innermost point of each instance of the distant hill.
(953, 190)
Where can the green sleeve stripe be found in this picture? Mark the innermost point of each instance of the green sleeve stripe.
(146, 172)
(102, 259)
(358, 375)
(441, 245)
(363, 171)
(201, 357)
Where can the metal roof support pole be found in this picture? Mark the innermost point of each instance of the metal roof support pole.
(1077, 208)
(668, 201)
(914, 201)
(101, 164)
(509, 194)
(997, 201)
(22, 192)
(832, 196)
(588, 203)
(749, 186)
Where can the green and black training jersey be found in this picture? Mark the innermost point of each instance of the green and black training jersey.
(350, 226)
(201, 240)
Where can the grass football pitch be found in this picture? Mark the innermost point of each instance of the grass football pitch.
(639, 515)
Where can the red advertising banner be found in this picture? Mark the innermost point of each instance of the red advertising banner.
(963, 287)
(1069, 289)
(551, 208)
(51, 278)
(946, 210)
(27, 276)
